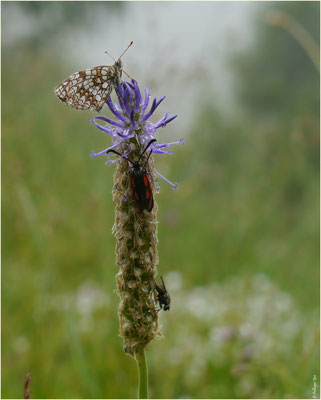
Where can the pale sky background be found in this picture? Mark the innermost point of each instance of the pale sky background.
(180, 48)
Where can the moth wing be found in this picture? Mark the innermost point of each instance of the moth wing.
(148, 195)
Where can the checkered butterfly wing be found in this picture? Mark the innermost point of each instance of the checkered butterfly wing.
(88, 89)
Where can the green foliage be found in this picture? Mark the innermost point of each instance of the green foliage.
(246, 207)
(243, 334)
(277, 79)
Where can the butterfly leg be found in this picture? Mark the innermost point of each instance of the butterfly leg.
(117, 91)
(129, 75)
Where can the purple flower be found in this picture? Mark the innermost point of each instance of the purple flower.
(133, 121)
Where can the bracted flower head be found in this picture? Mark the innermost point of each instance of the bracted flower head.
(132, 128)
(135, 229)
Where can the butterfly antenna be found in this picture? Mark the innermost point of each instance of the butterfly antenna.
(125, 50)
(110, 55)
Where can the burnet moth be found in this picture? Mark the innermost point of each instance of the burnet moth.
(163, 297)
(139, 179)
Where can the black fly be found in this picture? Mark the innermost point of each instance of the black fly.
(163, 296)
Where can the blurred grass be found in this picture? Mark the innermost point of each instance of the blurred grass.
(247, 203)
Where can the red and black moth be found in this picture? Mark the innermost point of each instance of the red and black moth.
(139, 179)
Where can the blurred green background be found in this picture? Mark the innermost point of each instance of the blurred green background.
(238, 240)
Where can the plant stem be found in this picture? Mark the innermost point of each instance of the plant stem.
(143, 374)
(299, 33)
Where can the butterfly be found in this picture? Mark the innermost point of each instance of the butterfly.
(89, 89)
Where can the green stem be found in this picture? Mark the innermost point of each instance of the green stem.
(300, 34)
(143, 374)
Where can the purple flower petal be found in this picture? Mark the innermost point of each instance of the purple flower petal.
(146, 101)
(146, 138)
(103, 152)
(162, 151)
(159, 101)
(132, 118)
(126, 134)
(131, 121)
(106, 129)
(162, 145)
(114, 110)
(138, 97)
(149, 114)
(121, 102)
(163, 177)
(170, 120)
(164, 121)
(110, 121)
(128, 94)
